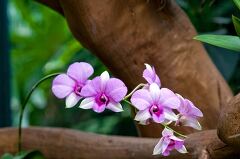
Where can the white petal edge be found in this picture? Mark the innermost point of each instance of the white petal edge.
(154, 91)
(72, 100)
(158, 148)
(148, 67)
(105, 76)
(115, 107)
(182, 150)
(87, 103)
(170, 115)
(142, 115)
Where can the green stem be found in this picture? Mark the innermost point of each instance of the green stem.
(24, 106)
(174, 131)
(136, 88)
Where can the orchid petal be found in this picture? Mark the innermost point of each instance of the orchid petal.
(92, 88)
(72, 100)
(170, 115)
(62, 86)
(142, 115)
(167, 132)
(116, 107)
(150, 75)
(98, 108)
(115, 89)
(141, 99)
(191, 122)
(155, 92)
(80, 71)
(182, 149)
(87, 103)
(104, 78)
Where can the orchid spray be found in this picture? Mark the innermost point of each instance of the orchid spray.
(152, 102)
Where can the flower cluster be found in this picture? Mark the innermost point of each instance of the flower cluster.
(153, 103)
(99, 94)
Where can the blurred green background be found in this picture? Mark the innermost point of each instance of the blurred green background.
(41, 43)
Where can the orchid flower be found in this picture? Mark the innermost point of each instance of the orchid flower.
(188, 114)
(69, 85)
(150, 75)
(169, 142)
(155, 104)
(103, 92)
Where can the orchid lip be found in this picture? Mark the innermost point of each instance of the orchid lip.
(102, 99)
(78, 89)
(154, 109)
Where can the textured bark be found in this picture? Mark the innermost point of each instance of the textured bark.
(58, 143)
(125, 34)
(229, 122)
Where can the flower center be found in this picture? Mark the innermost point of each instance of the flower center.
(103, 99)
(156, 110)
(78, 89)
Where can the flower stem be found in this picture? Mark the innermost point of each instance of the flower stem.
(24, 106)
(136, 88)
(174, 131)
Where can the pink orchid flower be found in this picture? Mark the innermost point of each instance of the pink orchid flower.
(169, 142)
(155, 104)
(150, 75)
(188, 114)
(103, 92)
(69, 85)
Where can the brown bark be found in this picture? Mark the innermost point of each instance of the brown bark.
(64, 143)
(125, 34)
(229, 122)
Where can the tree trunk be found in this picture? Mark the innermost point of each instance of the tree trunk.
(125, 34)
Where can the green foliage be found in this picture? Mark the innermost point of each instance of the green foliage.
(224, 41)
(42, 44)
(236, 23)
(24, 155)
(237, 2)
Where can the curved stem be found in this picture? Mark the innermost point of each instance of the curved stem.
(174, 131)
(136, 88)
(24, 106)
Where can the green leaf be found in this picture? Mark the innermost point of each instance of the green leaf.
(236, 22)
(237, 2)
(7, 156)
(29, 155)
(224, 41)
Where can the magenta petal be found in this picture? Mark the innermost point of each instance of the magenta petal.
(99, 108)
(150, 75)
(158, 118)
(92, 88)
(115, 89)
(141, 99)
(62, 86)
(193, 110)
(80, 71)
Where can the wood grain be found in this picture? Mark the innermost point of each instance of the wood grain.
(58, 143)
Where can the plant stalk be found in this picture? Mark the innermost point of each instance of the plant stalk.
(25, 104)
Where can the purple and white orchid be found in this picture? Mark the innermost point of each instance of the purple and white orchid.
(188, 114)
(150, 75)
(69, 85)
(103, 92)
(155, 104)
(169, 142)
